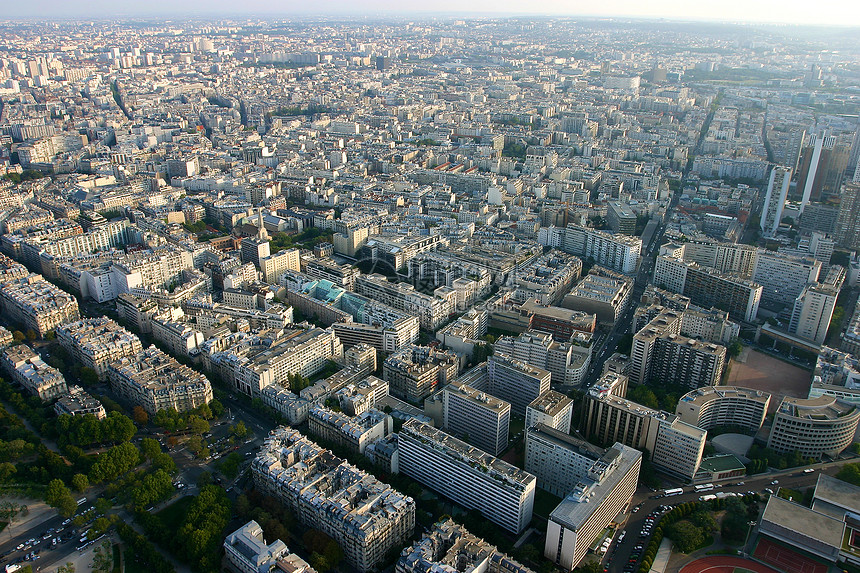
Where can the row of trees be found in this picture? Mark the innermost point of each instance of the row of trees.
(197, 536)
(761, 458)
(88, 430)
(142, 551)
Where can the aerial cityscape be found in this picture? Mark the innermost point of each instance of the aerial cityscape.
(429, 294)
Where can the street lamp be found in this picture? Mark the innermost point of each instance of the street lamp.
(749, 530)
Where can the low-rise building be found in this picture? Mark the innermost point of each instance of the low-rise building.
(246, 551)
(79, 403)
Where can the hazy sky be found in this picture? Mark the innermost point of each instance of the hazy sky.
(835, 12)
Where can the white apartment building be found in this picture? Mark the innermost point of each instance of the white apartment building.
(477, 417)
(597, 498)
(36, 376)
(516, 382)
(551, 409)
(467, 475)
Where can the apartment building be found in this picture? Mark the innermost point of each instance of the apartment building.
(812, 311)
(32, 373)
(432, 311)
(357, 398)
(617, 252)
(273, 266)
(676, 447)
(467, 475)
(37, 304)
(774, 200)
(567, 362)
(449, 546)
(270, 360)
(292, 406)
(97, 342)
(708, 287)
(814, 427)
(516, 382)
(155, 381)
(476, 417)
(352, 432)
(783, 277)
(546, 278)
(366, 517)
(595, 500)
(551, 409)
(414, 372)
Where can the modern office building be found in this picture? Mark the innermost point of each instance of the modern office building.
(604, 296)
(97, 342)
(516, 382)
(597, 498)
(450, 547)
(557, 459)
(467, 475)
(551, 409)
(366, 517)
(476, 417)
(823, 426)
(774, 200)
(724, 406)
(620, 218)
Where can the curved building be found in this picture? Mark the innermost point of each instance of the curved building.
(718, 406)
(814, 427)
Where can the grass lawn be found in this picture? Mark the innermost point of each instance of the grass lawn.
(117, 568)
(545, 502)
(173, 514)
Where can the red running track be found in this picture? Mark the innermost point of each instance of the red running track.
(724, 564)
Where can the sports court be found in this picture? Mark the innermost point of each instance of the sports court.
(786, 559)
(725, 564)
